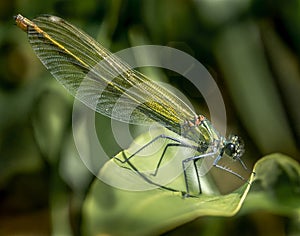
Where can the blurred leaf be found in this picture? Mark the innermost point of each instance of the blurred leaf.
(50, 120)
(18, 151)
(254, 93)
(286, 67)
(276, 187)
(72, 169)
(288, 13)
(220, 12)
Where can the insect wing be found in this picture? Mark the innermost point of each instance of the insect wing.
(101, 80)
(206, 164)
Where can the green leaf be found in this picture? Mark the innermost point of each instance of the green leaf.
(276, 187)
(119, 212)
(112, 211)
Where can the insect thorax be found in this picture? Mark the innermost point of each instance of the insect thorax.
(200, 131)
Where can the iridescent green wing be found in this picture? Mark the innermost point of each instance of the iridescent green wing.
(100, 79)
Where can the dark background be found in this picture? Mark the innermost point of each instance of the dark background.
(250, 47)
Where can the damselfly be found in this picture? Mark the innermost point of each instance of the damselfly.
(72, 56)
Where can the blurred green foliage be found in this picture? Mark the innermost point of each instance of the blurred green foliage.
(251, 48)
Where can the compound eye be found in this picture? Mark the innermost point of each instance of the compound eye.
(230, 149)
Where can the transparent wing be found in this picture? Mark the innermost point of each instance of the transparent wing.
(206, 164)
(207, 160)
(101, 80)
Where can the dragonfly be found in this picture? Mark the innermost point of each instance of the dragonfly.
(73, 59)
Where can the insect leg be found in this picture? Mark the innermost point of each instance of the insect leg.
(147, 179)
(245, 167)
(162, 136)
(181, 144)
(225, 168)
(184, 167)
